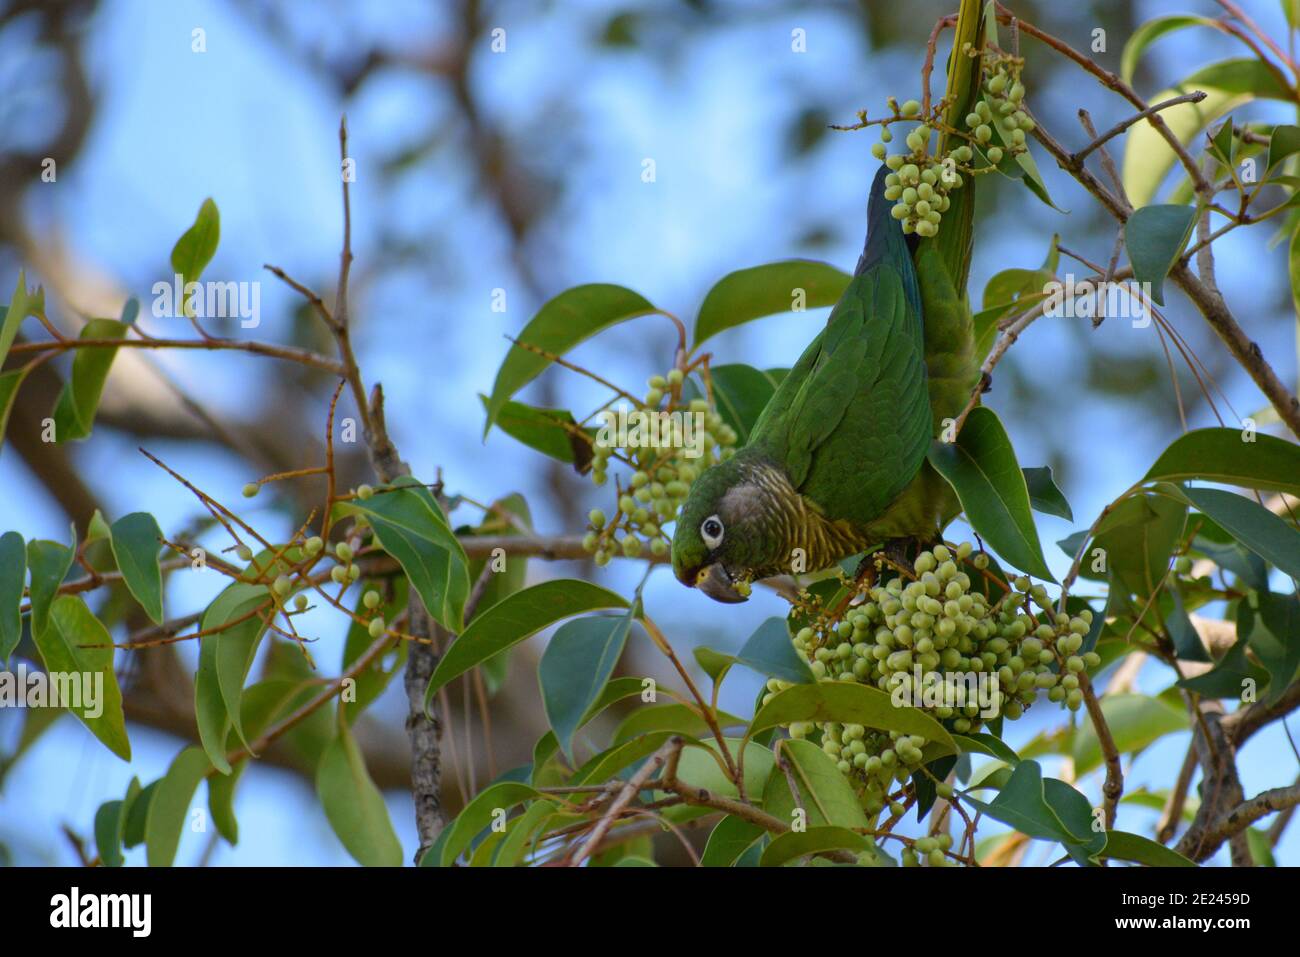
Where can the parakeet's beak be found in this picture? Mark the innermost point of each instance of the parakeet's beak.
(715, 582)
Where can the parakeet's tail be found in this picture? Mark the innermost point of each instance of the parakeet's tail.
(885, 240)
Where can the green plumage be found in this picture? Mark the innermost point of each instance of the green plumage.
(837, 460)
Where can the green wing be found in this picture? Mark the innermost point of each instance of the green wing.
(851, 421)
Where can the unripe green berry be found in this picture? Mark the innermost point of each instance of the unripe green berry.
(376, 627)
(251, 489)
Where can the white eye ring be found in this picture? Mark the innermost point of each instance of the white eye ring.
(711, 530)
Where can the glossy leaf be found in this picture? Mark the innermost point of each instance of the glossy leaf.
(1225, 455)
(354, 806)
(518, 617)
(730, 838)
(62, 645)
(478, 814)
(136, 540)
(225, 657)
(848, 702)
(549, 431)
(825, 795)
(767, 290)
(10, 383)
(22, 304)
(13, 578)
(575, 667)
(198, 244)
(1229, 83)
(49, 563)
(981, 467)
(1045, 809)
(796, 844)
(1154, 237)
(74, 414)
(1123, 846)
(1044, 495)
(573, 316)
(1148, 33)
(108, 833)
(169, 811)
(768, 651)
(1268, 536)
(411, 527)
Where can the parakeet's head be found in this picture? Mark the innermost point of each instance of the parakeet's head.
(720, 544)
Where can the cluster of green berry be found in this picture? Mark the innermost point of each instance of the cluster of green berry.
(919, 182)
(675, 439)
(945, 647)
(1000, 110)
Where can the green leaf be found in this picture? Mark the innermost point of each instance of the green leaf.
(1274, 636)
(197, 245)
(572, 317)
(825, 795)
(698, 767)
(741, 393)
(1284, 141)
(1154, 236)
(575, 666)
(49, 563)
(982, 743)
(412, 529)
(479, 813)
(767, 290)
(1048, 810)
(1148, 33)
(549, 431)
(136, 540)
(99, 707)
(519, 831)
(768, 651)
(1268, 536)
(136, 812)
(225, 657)
(354, 806)
(515, 618)
(848, 702)
(1224, 455)
(608, 763)
(1044, 495)
(13, 576)
(1229, 83)
(74, 413)
(22, 305)
(796, 844)
(221, 801)
(171, 806)
(1135, 720)
(981, 467)
(1138, 537)
(730, 838)
(109, 821)
(1234, 671)
(1123, 846)
(671, 716)
(9, 385)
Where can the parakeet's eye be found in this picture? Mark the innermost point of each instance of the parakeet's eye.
(711, 531)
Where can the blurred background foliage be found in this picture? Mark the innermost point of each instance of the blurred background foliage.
(518, 170)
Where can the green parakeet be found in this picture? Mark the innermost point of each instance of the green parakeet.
(836, 463)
